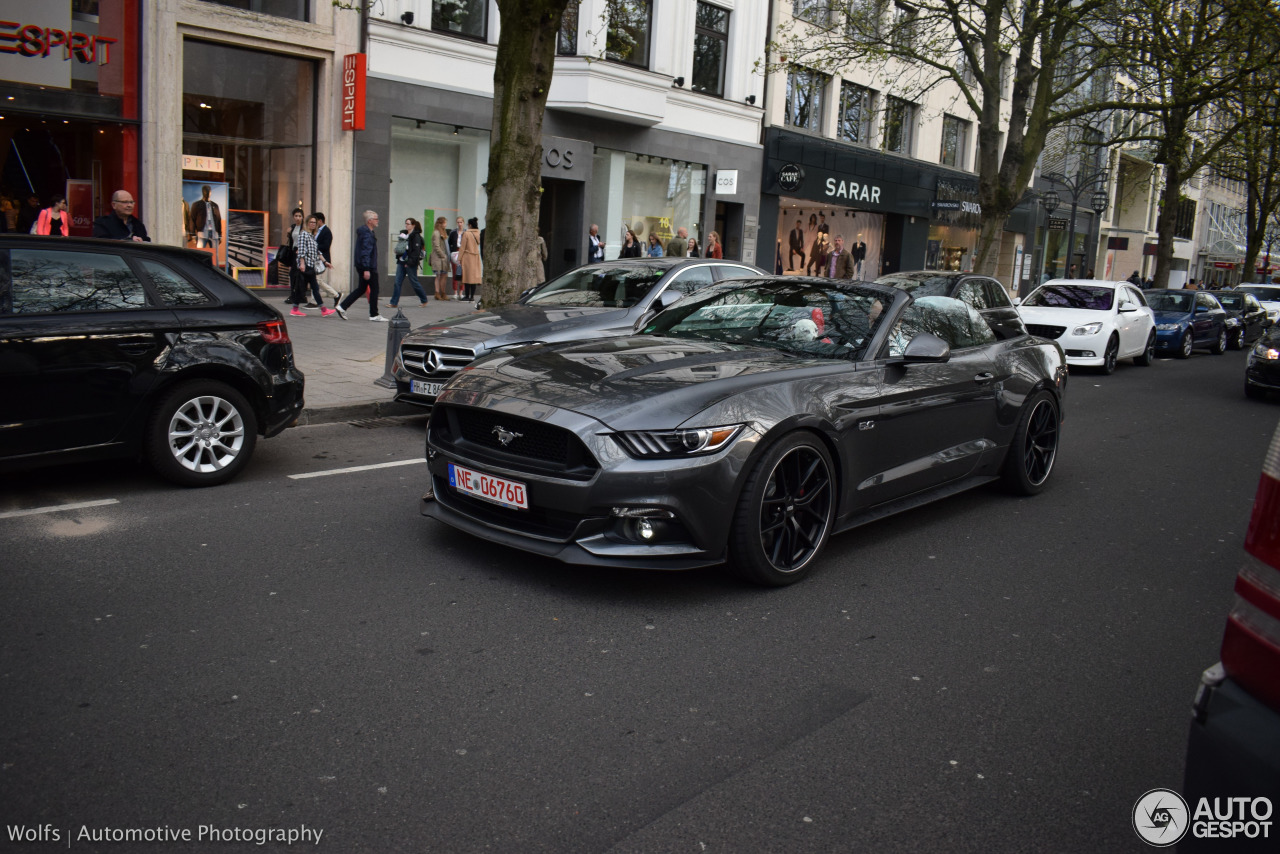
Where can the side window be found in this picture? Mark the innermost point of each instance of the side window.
(952, 320)
(1251, 304)
(733, 271)
(971, 293)
(1206, 302)
(1136, 296)
(173, 289)
(690, 280)
(46, 281)
(997, 296)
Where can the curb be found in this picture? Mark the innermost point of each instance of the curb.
(313, 415)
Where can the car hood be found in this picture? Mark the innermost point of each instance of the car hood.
(1054, 316)
(636, 382)
(1172, 317)
(518, 324)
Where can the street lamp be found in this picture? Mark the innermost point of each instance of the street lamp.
(1076, 188)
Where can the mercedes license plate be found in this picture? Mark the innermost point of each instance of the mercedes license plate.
(429, 389)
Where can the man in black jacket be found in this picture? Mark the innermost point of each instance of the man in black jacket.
(122, 224)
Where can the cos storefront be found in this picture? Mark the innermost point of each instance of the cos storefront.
(893, 215)
(69, 93)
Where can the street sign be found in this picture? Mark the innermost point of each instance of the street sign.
(1058, 223)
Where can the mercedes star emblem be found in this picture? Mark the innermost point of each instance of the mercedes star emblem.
(433, 361)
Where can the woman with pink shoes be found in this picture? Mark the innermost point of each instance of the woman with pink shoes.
(310, 263)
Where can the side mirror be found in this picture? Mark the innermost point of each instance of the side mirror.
(666, 299)
(1017, 300)
(925, 348)
(1128, 306)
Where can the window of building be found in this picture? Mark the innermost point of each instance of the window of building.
(295, 9)
(862, 19)
(857, 105)
(899, 125)
(905, 20)
(254, 111)
(805, 88)
(710, 48)
(813, 11)
(461, 17)
(955, 142)
(628, 37)
(648, 195)
(567, 40)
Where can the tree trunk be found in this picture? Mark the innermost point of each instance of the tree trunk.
(1166, 220)
(521, 79)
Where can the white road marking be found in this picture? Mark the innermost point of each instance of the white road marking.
(57, 508)
(354, 469)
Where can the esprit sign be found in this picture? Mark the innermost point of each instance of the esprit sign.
(38, 42)
(354, 66)
(34, 40)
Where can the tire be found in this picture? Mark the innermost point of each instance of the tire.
(1220, 346)
(1111, 355)
(1184, 351)
(1237, 340)
(1148, 355)
(1252, 392)
(201, 433)
(784, 514)
(1034, 448)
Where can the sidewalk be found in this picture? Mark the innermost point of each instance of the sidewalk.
(342, 358)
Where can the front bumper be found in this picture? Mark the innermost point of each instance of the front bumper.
(1263, 373)
(1170, 339)
(572, 519)
(1085, 350)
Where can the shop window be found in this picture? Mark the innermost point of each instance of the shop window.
(567, 38)
(857, 104)
(295, 9)
(628, 37)
(805, 88)
(461, 17)
(955, 142)
(899, 125)
(710, 48)
(655, 195)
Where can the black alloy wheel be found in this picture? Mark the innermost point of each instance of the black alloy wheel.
(785, 512)
(1111, 355)
(1035, 446)
(1148, 354)
(1184, 352)
(1237, 340)
(1220, 346)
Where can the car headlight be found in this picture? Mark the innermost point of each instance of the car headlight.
(672, 444)
(1087, 329)
(1168, 327)
(1263, 350)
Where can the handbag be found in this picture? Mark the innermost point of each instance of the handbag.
(286, 255)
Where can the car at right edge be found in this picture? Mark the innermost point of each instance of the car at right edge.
(1262, 368)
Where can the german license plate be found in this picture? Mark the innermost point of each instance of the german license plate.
(422, 387)
(508, 493)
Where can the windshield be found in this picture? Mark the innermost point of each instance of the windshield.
(805, 319)
(599, 286)
(1072, 296)
(1235, 302)
(1177, 303)
(919, 284)
(1262, 292)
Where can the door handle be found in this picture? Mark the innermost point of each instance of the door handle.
(137, 349)
(984, 378)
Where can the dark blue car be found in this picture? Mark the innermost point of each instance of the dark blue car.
(1187, 320)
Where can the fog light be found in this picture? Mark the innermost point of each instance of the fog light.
(1088, 354)
(645, 529)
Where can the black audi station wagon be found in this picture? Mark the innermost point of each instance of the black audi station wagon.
(746, 424)
(112, 348)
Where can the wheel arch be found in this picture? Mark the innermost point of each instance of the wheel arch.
(231, 376)
(823, 429)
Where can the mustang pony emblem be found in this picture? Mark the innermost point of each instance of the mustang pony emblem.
(505, 436)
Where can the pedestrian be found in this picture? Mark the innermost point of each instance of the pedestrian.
(1071, 274)
(455, 246)
(678, 246)
(595, 246)
(408, 258)
(121, 224)
(714, 249)
(297, 282)
(469, 256)
(53, 219)
(310, 263)
(693, 247)
(840, 264)
(28, 213)
(1135, 279)
(655, 248)
(540, 245)
(631, 247)
(326, 278)
(1089, 275)
(440, 258)
(366, 264)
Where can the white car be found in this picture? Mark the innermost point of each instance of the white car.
(1268, 295)
(1096, 323)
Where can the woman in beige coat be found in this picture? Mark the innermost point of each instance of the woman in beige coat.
(469, 258)
(440, 258)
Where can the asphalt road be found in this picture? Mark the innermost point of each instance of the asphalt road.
(985, 674)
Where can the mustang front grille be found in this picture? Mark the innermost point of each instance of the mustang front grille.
(511, 441)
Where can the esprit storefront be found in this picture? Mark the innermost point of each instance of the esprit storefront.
(69, 111)
(892, 214)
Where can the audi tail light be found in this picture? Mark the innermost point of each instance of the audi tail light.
(274, 331)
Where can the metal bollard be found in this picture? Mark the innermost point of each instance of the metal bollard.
(397, 329)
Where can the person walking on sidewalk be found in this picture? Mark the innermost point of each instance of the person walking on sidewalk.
(310, 263)
(440, 258)
(324, 242)
(407, 262)
(678, 246)
(469, 257)
(297, 283)
(455, 248)
(53, 219)
(121, 224)
(366, 264)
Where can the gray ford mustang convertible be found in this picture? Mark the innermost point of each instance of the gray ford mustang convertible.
(746, 424)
